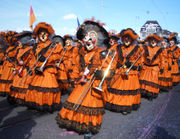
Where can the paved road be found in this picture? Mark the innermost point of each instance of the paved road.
(157, 119)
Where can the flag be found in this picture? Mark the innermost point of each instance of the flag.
(32, 18)
(78, 22)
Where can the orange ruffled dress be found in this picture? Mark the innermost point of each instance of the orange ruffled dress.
(88, 116)
(43, 92)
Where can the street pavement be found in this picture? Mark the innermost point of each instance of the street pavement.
(157, 119)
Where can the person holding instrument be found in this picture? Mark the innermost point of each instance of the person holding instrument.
(24, 56)
(10, 63)
(175, 50)
(43, 93)
(83, 111)
(123, 94)
(152, 63)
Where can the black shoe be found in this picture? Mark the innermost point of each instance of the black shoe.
(150, 99)
(87, 136)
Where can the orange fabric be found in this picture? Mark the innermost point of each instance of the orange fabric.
(44, 89)
(92, 100)
(149, 74)
(19, 85)
(125, 84)
(165, 79)
(6, 74)
(175, 67)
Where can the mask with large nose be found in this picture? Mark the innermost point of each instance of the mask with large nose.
(153, 42)
(43, 36)
(127, 40)
(90, 40)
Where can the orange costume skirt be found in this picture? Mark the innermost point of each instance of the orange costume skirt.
(19, 87)
(175, 73)
(165, 80)
(149, 81)
(43, 92)
(6, 79)
(83, 115)
(123, 94)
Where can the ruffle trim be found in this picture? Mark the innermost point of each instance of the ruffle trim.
(85, 110)
(175, 83)
(44, 107)
(3, 94)
(154, 85)
(18, 89)
(164, 79)
(62, 81)
(13, 100)
(148, 95)
(123, 92)
(44, 89)
(80, 128)
(176, 74)
(120, 108)
(6, 81)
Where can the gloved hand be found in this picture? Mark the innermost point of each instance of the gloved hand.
(72, 84)
(42, 59)
(98, 74)
(118, 65)
(128, 64)
(1, 62)
(169, 68)
(37, 71)
(161, 71)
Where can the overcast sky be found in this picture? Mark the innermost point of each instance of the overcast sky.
(116, 14)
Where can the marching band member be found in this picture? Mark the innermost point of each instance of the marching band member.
(9, 64)
(83, 111)
(3, 47)
(43, 92)
(24, 56)
(176, 54)
(112, 48)
(151, 68)
(165, 79)
(123, 91)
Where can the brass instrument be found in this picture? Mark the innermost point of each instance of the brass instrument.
(60, 60)
(99, 88)
(88, 85)
(42, 66)
(127, 72)
(117, 73)
(31, 69)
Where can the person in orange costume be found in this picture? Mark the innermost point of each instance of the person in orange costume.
(165, 79)
(66, 66)
(112, 48)
(176, 54)
(9, 64)
(151, 67)
(24, 56)
(84, 114)
(3, 47)
(123, 91)
(43, 92)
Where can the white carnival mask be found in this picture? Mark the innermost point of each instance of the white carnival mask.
(68, 42)
(43, 36)
(171, 43)
(153, 43)
(90, 40)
